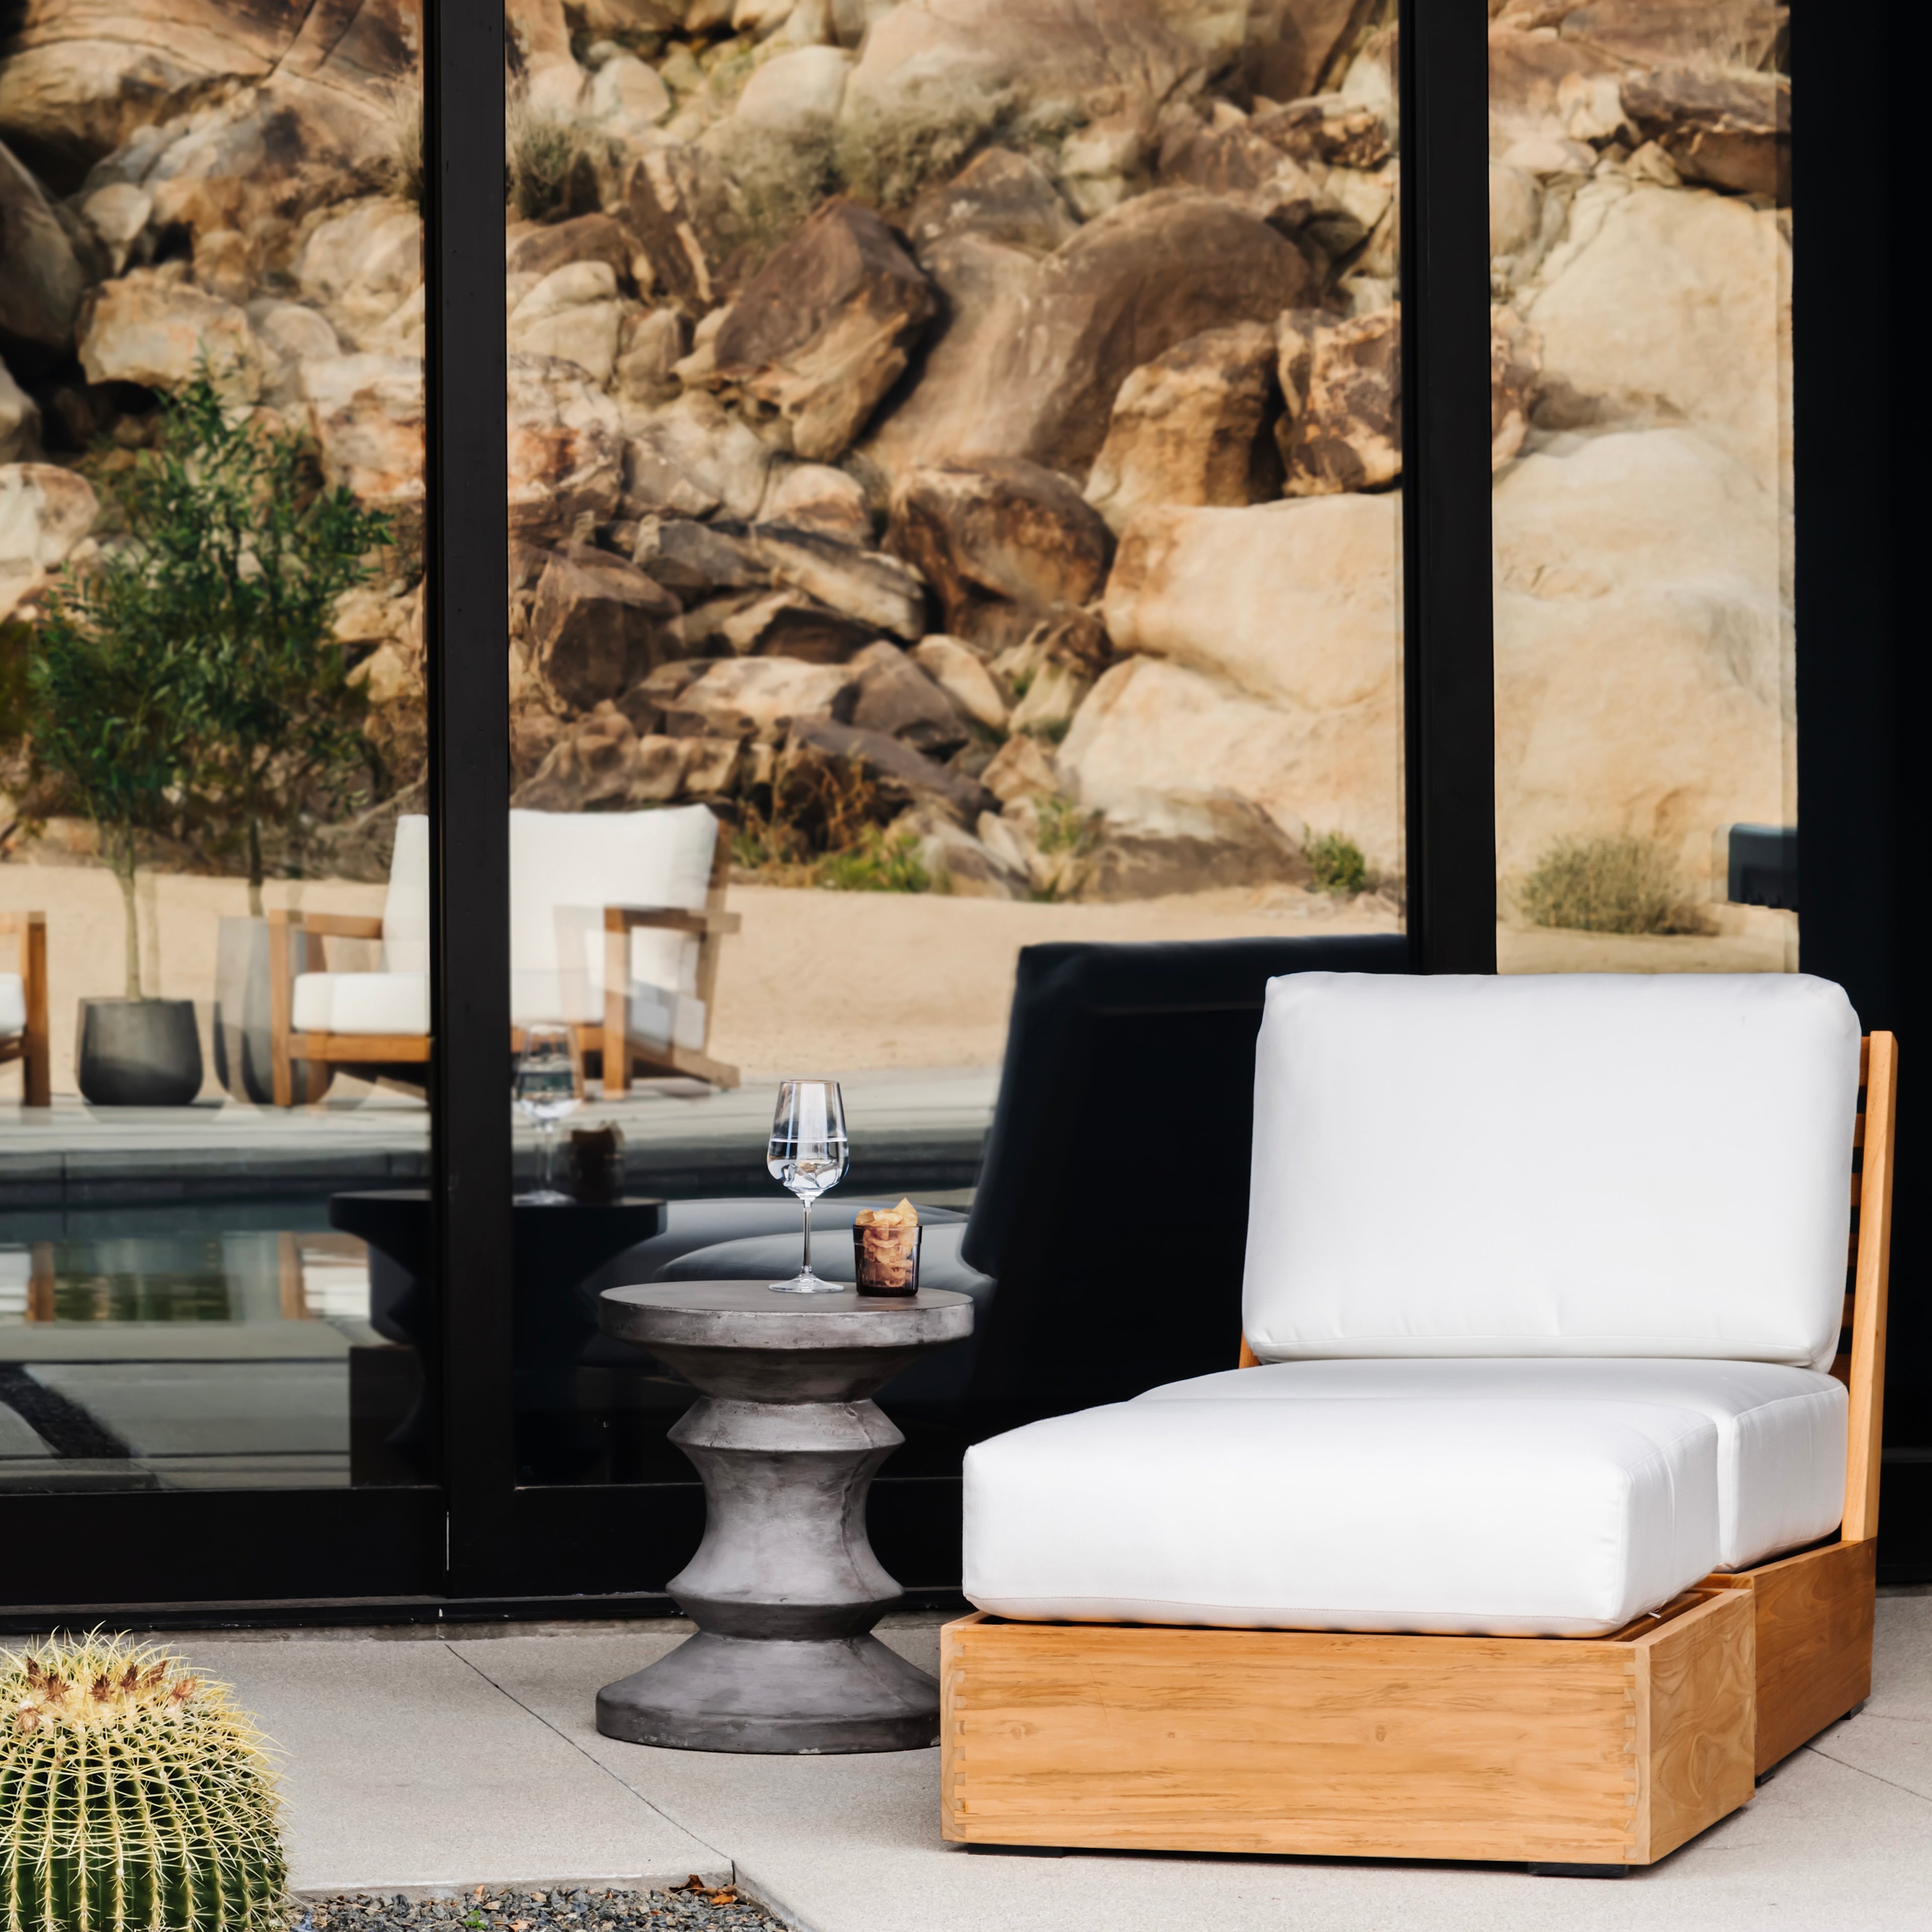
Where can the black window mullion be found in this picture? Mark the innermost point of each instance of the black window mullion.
(1448, 647)
(466, 622)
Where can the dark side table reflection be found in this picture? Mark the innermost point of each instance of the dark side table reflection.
(393, 1408)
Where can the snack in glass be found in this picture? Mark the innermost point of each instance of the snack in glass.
(885, 1249)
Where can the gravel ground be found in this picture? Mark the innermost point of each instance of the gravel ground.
(691, 1905)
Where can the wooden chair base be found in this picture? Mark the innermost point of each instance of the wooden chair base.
(1606, 1751)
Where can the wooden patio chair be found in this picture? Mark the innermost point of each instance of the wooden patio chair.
(1499, 1686)
(615, 922)
(23, 1006)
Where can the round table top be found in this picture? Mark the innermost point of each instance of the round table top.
(749, 1315)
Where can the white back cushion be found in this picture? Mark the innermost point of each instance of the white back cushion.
(1566, 1165)
(406, 911)
(566, 868)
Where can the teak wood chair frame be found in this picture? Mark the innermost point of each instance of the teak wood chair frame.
(634, 1053)
(29, 1046)
(1570, 1755)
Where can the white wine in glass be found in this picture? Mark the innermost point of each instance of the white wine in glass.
(546, 1091)
(808, 1153)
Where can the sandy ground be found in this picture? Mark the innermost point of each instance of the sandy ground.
(840, 980)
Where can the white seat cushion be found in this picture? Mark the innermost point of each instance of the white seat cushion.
(1575, 1164)
(1781, 1431)
(1513, 1519)
(365, 1002)
(12, 1006)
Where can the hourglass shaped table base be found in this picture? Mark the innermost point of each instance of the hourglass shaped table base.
(784, 1588)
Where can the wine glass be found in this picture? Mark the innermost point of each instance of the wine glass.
(809, 1153)
(546, 1091)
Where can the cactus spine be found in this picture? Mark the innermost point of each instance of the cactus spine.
(133, 1797)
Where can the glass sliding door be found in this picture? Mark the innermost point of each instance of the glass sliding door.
(214, 895)
(1640, 262)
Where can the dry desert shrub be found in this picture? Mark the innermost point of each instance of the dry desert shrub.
(1607, 885)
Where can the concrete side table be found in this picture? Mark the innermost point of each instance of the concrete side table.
(784, 1588)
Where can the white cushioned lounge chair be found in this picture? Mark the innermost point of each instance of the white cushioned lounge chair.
(1543, 1295)
(23, 1006)
(613, 924)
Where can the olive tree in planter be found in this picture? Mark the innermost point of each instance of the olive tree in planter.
(113, 700)
(219, 603)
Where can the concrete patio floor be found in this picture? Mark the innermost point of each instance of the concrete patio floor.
(427, 1762)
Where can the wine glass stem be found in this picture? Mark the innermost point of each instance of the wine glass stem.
(547, 1140)
(806, 1269)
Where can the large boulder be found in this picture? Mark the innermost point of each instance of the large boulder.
(1664, 305)
(565, 448)
(45, 512)
(879, 591)
(572, 312)
(598, 626)
(1000, 196)
(1150, 843)
(1643, 649)
(360, 263)
(1516, 370)
(41, 279)
(1187, 427)
(825, 327)
(1296, 602)
(367, 411)
(816, 497)
(896, 696)
(1343, 385)
(1153, 726)
(1742, 33)
(1036, 348)
(1001, 543)
(760, 697)
(152, 328)
(692, 457)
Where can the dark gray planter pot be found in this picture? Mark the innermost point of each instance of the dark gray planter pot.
(242, 1060)
(139, 1053)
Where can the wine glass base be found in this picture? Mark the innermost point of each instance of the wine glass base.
(806, 1284)
(545, 1197)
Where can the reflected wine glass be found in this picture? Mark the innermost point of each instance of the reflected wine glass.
(546, 1091)
(809, 1153)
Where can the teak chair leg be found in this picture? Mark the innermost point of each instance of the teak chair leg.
(36, 1069)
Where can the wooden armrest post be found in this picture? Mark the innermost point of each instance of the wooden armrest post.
(36, 1067)
(281, 1005)
(1866, 1426)
(616, 1001)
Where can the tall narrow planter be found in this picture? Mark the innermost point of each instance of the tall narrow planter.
(139, 1053)
(242, 1014)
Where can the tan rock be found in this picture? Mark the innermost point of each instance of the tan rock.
(19, 421)
(759, 697)
(1151, 843)
(1001, 543)
(878, 591)
(360, 263)
(697, 441)
(1186, 427)
(626, 97)
(1515, 367)
(45, 514)
(1343, 384)
(118, 214)
(1664, 305)
(367, 412)
(149, 327)
(1296, 602)
(598, 626)
(1036, 349)
(572, 312)
(566, 447)
(1727, 130)
(825, 327)
(897, 697)
(650, 343)
(794, 93)
(1053, 695)
(1150, 725)
(1021, 768)
(961, 674)
(691, 559)
(814, 496)
(290, 335)
(1644, 34)
(41, 283)
(1330, 128)
(1643, 649)
(999, 195)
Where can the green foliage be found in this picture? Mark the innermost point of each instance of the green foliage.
(1607, 885)
(1337, 863)
(876, 863)
(1064, 827)
(132, 1794)
(16, 659)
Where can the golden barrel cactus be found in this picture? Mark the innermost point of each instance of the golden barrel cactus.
(134, 1797)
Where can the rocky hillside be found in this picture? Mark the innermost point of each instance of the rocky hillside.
(999, 399)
